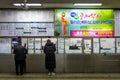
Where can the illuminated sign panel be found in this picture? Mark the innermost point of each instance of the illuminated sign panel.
(84, 22)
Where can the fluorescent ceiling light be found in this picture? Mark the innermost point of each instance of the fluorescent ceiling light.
(33, 4)
(87, 4)
(27, 4)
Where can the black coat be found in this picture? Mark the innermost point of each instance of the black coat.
(49, 50)
(20, 52)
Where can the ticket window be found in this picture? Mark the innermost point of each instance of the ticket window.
(5, 45)
(31, 45)
(61, 45)
(25, 43)
(87, 45)
(118, 45)
(96, 46)
(44, 40)
(107, 45)
(73, 45)
(38, 47)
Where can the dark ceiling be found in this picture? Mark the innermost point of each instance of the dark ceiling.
(60, 3)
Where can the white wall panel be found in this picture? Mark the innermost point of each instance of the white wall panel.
(26, 16)
(117, 22)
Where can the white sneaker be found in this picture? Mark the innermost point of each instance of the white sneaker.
(53, 73)
(49, 74)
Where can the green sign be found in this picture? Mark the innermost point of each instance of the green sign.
(84, 22)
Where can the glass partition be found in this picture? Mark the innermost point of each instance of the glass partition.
(44, 40)
(15, 41)
(37, 45)
(87, 45)
(63, 45)
(118, 45)
(96, 45)
(60, 45)
(73, 45)
(107, 45)
(24, 42)
(31, 45)
(5, 45)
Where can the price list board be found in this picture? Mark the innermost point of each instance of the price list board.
(26, 29)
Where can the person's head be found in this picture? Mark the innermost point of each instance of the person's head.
(63, 14)
(48, 40)
(19, 37)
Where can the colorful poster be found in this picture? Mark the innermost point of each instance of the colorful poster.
(84, 22)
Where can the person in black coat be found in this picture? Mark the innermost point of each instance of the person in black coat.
(20, 56)
(50, 62)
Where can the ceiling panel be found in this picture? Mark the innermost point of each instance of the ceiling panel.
(61, 3)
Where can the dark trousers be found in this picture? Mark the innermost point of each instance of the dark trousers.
(19, 66)
(50, 70)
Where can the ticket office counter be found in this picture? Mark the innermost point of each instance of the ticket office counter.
(84, 55)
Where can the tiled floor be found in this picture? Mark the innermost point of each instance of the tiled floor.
(62, 76)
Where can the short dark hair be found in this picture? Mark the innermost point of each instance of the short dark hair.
(48, 40)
